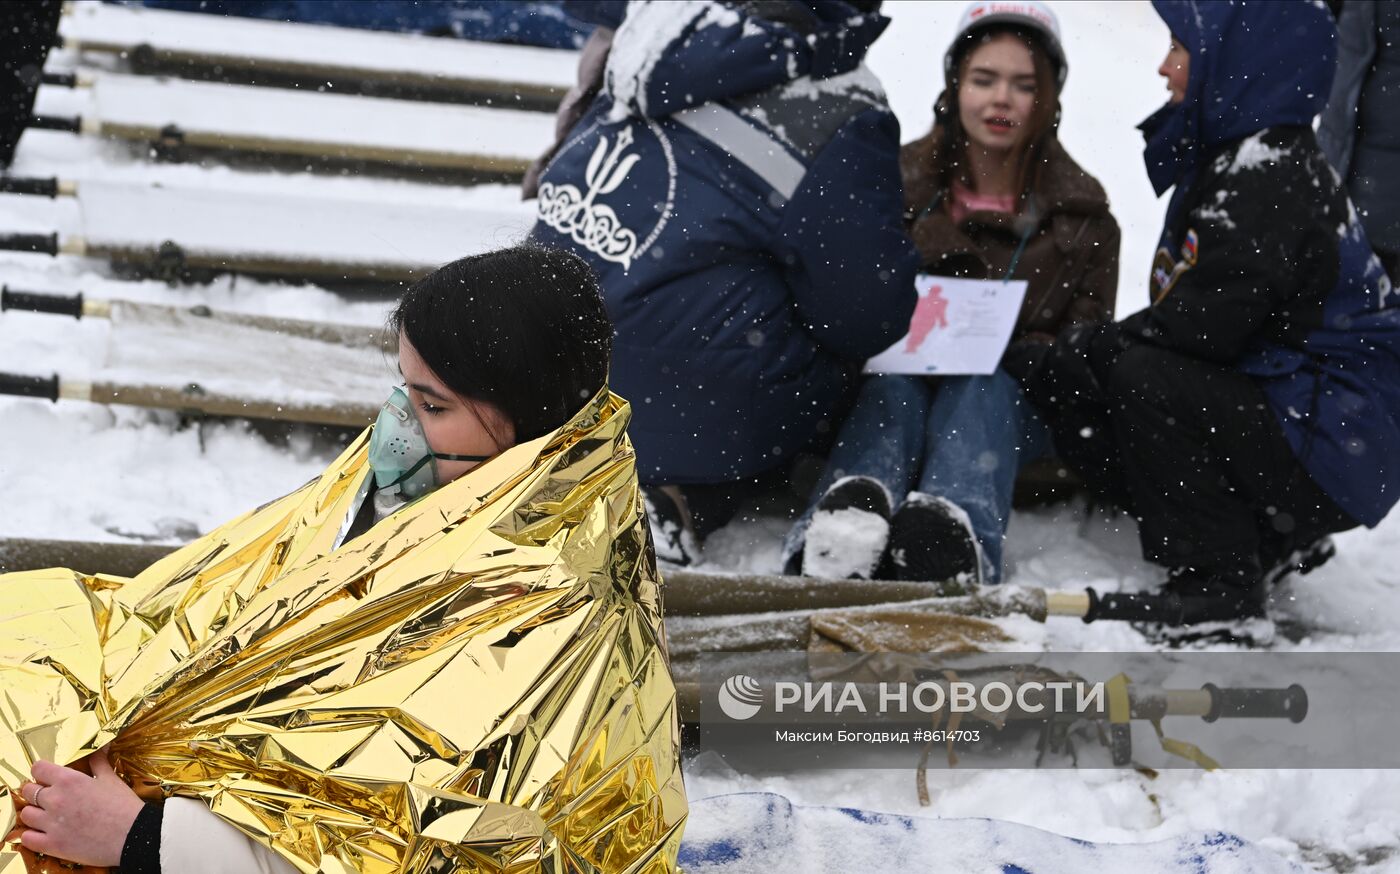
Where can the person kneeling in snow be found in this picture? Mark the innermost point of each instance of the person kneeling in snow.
(735, 184)
(1254, 407)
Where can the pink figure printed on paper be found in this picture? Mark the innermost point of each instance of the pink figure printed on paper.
(930, 312)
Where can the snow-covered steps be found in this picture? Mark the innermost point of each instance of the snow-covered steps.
(173, 228)
(316, 54)
(239, 118)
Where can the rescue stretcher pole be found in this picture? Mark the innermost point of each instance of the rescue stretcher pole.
(191, 399)
(1210, 702)
(38, 186)
(169, 259)
(79, 307)
(691, 594)
(43, 244)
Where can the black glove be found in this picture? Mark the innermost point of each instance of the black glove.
(1065, 372)
(1023, 358)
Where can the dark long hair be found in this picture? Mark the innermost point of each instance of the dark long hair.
(522, 329)
(1040, 127)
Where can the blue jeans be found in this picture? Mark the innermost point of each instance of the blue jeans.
(963, 438)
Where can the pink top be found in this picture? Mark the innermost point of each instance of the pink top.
(964, 201)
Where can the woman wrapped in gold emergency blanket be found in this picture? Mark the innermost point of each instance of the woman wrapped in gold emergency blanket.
(477, 681)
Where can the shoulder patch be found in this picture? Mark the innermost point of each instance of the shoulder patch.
(1166, 269)
(1190, 247)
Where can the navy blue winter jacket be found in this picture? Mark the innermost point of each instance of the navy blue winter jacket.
(1264, 266)
(736, 186)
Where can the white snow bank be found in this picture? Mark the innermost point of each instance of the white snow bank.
(90, 472)
(767, 834)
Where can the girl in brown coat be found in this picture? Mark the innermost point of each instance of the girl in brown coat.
(989, 193)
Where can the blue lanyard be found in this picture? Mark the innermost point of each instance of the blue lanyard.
(1020, 247)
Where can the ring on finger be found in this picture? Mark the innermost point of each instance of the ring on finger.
(35, 802)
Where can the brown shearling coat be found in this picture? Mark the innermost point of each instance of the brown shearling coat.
(1070, 259)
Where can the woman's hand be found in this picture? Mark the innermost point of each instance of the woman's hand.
(78, 818)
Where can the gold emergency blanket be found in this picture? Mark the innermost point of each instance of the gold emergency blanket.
(477, 683)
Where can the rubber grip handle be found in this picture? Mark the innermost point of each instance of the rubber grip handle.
(72, 124)
(60, 80)
(1168, 608)
(36, 186)
(34, 302)
(29, 386)
(1290, 703)
(1120, 744)
(46, 244)
(1134, 607)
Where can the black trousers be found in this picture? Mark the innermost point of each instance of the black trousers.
(28, 29)
(1194, 451)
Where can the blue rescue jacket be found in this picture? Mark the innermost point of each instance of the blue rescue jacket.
(736, 186)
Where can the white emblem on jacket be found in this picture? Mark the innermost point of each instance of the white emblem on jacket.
(594, 226)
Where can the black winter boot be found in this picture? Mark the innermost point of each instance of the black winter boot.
(1212, 608)
(931, 540)
(1303, 560)
(1216, 597)
(671, 529)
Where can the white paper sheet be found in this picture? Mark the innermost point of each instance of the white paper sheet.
(960, 326)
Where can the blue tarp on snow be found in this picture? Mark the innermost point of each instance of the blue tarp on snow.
(767, 834)
(524, 22)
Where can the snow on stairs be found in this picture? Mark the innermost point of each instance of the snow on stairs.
(176, 227)
(402, 134)
(170, 228)
(231, 363)
(361, 234)
(314, 54)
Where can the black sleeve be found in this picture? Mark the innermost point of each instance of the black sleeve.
(1263, 236)
(364, 517)
(29, 29)
(1266, 254)
(141, 851)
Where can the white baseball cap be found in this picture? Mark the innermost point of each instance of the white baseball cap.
(1030, 14)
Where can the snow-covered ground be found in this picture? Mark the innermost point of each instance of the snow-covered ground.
(92, 472)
